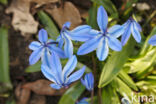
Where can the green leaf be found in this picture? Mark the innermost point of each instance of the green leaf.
(115, 63)
(34, 68)
(109, 95)
(109, 6)
(147, 46)
(127, 79)
(72, 94)
(4, 60)
(5, 2)
(37, 67)
(48, 25)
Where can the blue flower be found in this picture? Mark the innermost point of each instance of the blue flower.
(152, 40)
(43, 48)
(61, 78)
(88, 81)
(82, 101)
(102, 39)
(76, 34)
(131, 27)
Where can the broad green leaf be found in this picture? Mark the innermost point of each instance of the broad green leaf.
(142, 63)
(5, 2)
(109, 95)
(147, 46)
(92, 20)
(48, 25)
(115, 63)
(34, 68)
(109, 6)
(122, 88)
(37, 67)
(4, 60)
(72, 94)
(127, 79)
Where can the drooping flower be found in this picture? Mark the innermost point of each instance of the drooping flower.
(88, 81)
(152, 40)
(82, 101)
(76, 34)
(61, 78)
(43, 48)
(102, 39)
(131, 27)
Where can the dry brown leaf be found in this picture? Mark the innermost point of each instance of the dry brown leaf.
(38, 99)
(22, 19)
(22, 95)
(66, 13)
(43, 2)
(42, 87)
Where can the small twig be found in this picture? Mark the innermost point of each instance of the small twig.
(99, 96)
(92, 96)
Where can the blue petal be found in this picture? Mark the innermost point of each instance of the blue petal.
(60, 41)
(102, 18)
(136, 33)
(116, 31)
(68, 47)
(91, 80)
(34, 45)
(46, 58)
(81, 29)
(70, 66)
(56, 66)
(137, 25)
(66, 25)
(102, 50)
(89, 46)
(35, 56)
(48, 73)
(55, 86)
(57, 50)
(43, 37)
(76, 75)
(152, 40)
(114, 43)
(126, 34)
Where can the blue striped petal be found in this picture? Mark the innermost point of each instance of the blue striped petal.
(116, 31)
(34, 45)
(55, 86)
(81, 29)
(126, 34)
(46, 57)
(70, 66)
(138, 27)
(56, 66)
(102, 18)
(102, 50)
(43, 35)
(60, 41)
(89, 46)
(57, 50)
(114, 43)
(66, 25)
(68, 47)
(76, 75)
(35, 56)
(152, 40)
(135, 33)
(47, 72)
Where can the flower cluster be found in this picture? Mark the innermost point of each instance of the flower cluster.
(51, 51)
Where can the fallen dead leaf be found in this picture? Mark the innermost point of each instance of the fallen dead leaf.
(22, 19)
(38, 99)
(42, 87)
(22, 95)
(66, 13)
(43, 2)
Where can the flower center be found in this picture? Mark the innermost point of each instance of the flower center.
(46, 44)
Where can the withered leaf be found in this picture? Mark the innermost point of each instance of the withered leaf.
(42, 87)
(22, 19)
(38, 99)
(66, 13)
(22, 95)
(43, 2)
